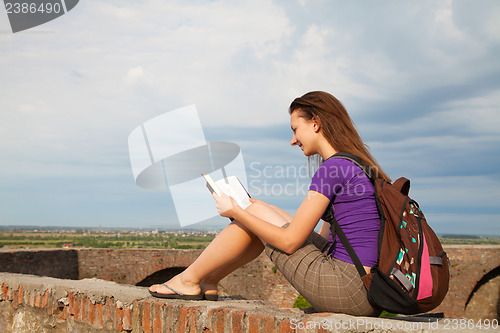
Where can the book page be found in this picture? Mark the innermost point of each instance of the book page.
(212, 187)
(232, 186)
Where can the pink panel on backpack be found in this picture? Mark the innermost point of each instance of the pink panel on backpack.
(425, 283)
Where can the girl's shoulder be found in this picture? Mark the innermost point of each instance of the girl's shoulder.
(337, 168)
(333, 163)
(338, 161)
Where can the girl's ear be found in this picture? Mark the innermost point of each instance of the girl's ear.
(316, 124)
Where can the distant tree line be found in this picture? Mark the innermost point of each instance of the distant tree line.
(56, 240)
(460, 236)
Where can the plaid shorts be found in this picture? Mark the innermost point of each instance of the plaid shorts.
(328, 284)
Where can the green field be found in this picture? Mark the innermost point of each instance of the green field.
(468, 240)
(96, 238)
(125, 240)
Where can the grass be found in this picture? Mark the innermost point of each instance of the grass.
(302, 303)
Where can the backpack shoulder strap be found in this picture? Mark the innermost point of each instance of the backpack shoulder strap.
(334, 225)
(354, 159)
(347, 245)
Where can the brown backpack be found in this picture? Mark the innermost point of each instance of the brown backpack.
(412, 273)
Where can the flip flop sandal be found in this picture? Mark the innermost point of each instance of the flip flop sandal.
(211, 297)
(177, 295)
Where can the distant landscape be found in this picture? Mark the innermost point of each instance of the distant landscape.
(101, 238)
(46, 237)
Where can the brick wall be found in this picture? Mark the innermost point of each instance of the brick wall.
(130, 266)
(469, 264)
(258, 280)
(56, 263)
(44, 304)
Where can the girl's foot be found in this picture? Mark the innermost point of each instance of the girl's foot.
(209, 290)
(177, 286)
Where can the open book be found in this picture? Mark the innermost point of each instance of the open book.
(230, 186)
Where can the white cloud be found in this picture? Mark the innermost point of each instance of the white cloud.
(413, 76)
(456, 193)
(134, 74)
(475, 115)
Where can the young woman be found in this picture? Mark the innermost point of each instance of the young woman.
(330, 282)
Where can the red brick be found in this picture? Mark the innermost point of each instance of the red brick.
(20, 294)
(108, 312)
(237, 321)
(285, 326)
(127, 319)
(71, 303)
(38, 301)
(146, 317)
(15, 299)
(79, 315)
(91, 313)
(269, 324)
(99, 316)
(170, 315)
(84, 310)
(5, 290)
(137, 316)
(158, 317)
(219, 319)
(76, 306)
(260, 323)
(193, 317)
(45, 299)
(182, 319)
(253, 324)
(118, 322)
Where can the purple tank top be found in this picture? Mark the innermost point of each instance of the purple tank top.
(353, 198)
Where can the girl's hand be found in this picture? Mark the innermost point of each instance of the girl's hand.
(225, 205)
(252, 200)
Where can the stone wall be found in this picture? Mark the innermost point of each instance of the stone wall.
(256, 280)
(474, 285)
(60, 263)
(130, 266)
(470, 264)
(259, 279)
(43, 304)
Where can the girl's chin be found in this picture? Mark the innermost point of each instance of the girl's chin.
(305, 152)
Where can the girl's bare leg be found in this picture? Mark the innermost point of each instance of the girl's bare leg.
(231, 249)
(209, 283)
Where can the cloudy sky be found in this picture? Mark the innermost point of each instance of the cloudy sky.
(420, 80)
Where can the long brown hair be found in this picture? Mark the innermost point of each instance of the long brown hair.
(337, 127)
